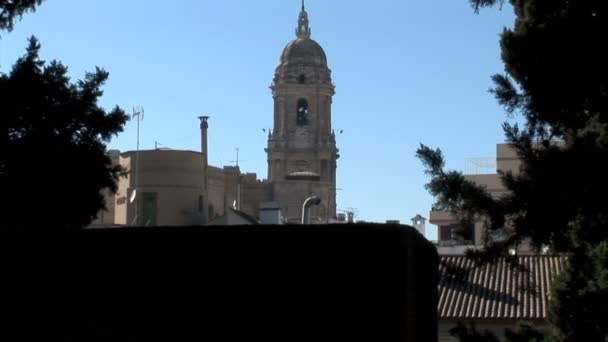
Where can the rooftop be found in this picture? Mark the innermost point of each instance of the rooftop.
(497, 291)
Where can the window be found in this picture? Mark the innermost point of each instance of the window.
(458, 233)
(149, 209)
(302, 115)
(302, 79)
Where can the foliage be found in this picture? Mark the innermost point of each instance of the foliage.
(471, 334)
(557, 79)
(53, 161)
(13, 9)
(579, 310)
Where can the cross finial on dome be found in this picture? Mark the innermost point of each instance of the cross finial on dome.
(303, 31)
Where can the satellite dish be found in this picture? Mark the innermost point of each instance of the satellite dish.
(133, 194)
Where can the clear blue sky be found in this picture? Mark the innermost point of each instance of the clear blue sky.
(405, 72)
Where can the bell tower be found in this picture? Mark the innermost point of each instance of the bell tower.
(302, 149)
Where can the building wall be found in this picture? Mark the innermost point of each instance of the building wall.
(123, 194)
(292, 194)
(176, 179)
(506, 161)
(171, 179)
(254, 192)
(222, 190)
(228, 185)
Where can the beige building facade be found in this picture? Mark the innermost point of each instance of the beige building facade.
(174, 188)
(485, 173)
(169, 191)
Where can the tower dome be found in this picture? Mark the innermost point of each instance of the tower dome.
(303, 52)
(303, 60)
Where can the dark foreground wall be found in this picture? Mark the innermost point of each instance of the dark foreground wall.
(340, 283)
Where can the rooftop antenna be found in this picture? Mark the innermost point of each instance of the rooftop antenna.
(139, 113)
(237, 157)
(302, 5)
(156, 144)
(237, 203)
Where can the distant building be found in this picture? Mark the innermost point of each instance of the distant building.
(418, 222)
(179, 187)
(483, 172)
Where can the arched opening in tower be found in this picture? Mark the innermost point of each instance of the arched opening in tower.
(302, 118)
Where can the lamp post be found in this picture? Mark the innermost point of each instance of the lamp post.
(310, 201)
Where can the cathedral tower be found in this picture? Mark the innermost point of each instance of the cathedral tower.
(302, 149)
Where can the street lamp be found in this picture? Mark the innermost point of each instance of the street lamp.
(310, 201)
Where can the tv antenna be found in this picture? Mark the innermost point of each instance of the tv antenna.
(237, 157)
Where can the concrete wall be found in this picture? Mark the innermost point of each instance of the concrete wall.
(507, 159)
(224, 190)
(176, 179)
(254, 192)
(124, 192)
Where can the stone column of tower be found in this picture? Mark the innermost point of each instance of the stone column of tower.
(302, 149)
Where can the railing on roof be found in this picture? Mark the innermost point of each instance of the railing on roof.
(479, 166)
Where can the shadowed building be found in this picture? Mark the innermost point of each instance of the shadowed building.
(247, 283)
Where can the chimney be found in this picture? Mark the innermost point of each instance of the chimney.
(204, 152)
(418, 223)
(350, 217)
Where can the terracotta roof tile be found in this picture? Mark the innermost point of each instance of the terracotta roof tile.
(497, 291)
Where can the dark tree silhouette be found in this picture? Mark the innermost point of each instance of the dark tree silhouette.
(53, 162)
(557, 79)
(14, 9)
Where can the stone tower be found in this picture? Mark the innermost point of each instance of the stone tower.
(302, 149)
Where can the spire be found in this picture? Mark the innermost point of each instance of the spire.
(303, 31)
